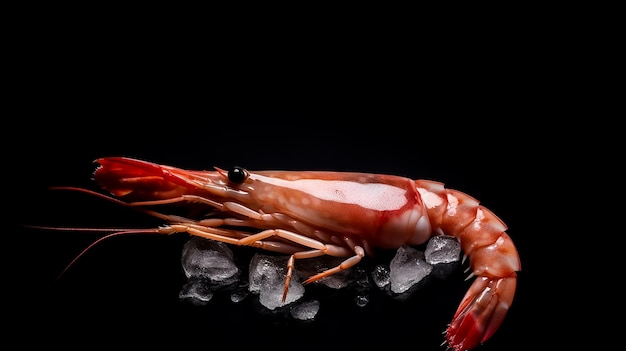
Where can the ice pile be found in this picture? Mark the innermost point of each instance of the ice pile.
(210, 267)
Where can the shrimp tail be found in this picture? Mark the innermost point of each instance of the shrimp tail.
(481, 312)
(493, 257)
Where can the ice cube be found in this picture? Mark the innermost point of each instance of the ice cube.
(380, 275)
(306, 310)
(196, 292)
(267, 278)
(407, 268)
(444, 253)
(442, 249)
(210, 260)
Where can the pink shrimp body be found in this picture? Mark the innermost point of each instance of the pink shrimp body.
(315, 213)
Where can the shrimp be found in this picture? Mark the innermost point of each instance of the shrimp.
(308, 214)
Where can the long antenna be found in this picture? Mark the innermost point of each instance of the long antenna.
(125, 232)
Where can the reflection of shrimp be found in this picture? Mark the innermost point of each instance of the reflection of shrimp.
(311, 214)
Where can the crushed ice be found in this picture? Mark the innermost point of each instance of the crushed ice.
(196, 292)
(407, 268)
(442, 249)
(267, 278)
(306, 310)
(210, 260)
(381, 275)
(210, 267)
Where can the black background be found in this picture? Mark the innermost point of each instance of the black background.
(467, 120)
(128, 286)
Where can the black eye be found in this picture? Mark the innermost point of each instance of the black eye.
(237, 175)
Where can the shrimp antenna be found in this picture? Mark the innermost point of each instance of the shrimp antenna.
(117, 233)
(113, 231)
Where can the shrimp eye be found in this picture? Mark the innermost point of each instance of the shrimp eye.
(237, 175)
